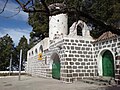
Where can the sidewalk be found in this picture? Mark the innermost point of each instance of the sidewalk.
(35, 83)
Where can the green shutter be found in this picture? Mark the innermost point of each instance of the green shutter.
(56, 70)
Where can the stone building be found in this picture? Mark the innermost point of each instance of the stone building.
(74, 55)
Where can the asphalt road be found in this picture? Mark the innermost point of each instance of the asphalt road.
(35, 83)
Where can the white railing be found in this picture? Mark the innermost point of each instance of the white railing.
(12, 71)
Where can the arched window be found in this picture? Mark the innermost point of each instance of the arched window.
(36, 51)
(41, 48)
(32, 52)
(79, 30)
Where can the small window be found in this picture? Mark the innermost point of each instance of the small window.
(29, 54)
(41, 48)
(58, 20)
(32, 52)
(36, 51)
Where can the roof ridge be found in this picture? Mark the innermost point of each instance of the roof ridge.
(106, 35)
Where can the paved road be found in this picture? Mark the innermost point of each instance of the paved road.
(35, 83)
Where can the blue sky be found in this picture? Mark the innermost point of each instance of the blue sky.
(16, 26)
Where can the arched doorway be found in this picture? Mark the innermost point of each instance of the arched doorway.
(55, 66)
(108, 64)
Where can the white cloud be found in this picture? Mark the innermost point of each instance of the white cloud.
(16, 33)
(11, 9)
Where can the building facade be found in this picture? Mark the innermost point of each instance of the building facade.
(74, 55)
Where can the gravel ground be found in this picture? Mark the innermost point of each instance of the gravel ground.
(35, 83)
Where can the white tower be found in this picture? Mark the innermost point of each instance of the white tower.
(58, 25)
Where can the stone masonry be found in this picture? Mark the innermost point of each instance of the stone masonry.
(79, 56)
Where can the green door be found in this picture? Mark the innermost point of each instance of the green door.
(108, 64)
(56, 70)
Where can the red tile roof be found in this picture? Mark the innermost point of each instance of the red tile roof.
(106, 35)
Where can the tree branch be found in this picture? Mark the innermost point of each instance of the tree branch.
(13, 14)
(4, 7)
(23, 6)
(96, 21)
(32, 11)
(46, 7)
(27, 3)
(71, 11)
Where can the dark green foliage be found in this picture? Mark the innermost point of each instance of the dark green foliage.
(39, 22)
(6, 49)
(15, 58)
(106, 11)
(23, 44)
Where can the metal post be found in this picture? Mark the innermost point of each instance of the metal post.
(10, 65)
(20, 64)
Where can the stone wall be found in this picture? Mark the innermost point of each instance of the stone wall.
(117, 74)
(36, 67)
(43, 68)
(78, 59)
(112, 44)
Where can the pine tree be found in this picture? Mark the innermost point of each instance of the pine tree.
(23, 44)
(6, 49)
(107, 11)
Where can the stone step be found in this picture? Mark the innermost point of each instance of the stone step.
(90, 81)
(104, 79)
(100, 80)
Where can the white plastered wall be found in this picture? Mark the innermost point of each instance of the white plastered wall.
(58, 24)
(44, 43)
